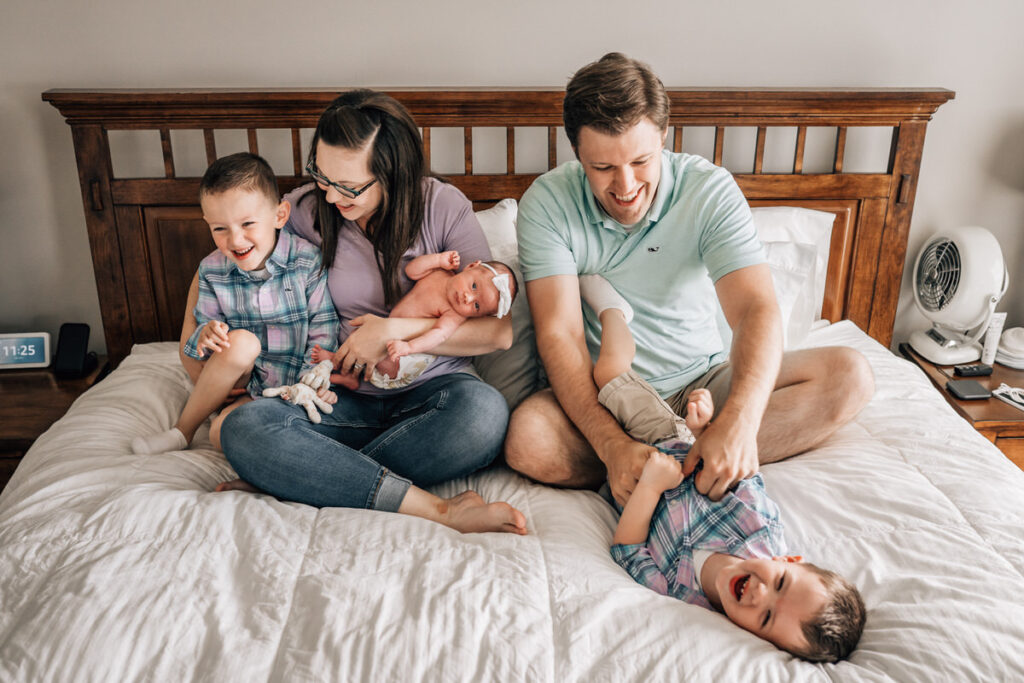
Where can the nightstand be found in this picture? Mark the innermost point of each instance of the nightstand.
(999, 422)
(31, 401)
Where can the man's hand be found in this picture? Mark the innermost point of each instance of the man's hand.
(626, 467)
(728, 448)
(214, 337)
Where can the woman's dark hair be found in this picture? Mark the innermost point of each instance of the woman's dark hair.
(353, 120)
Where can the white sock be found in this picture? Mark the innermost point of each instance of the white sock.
(600, 296)
(171, 440)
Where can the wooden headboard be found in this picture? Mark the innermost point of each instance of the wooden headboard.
(147, 234)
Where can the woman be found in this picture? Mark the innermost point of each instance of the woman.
(373, 208)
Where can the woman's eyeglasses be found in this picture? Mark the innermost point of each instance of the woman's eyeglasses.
(320, 178)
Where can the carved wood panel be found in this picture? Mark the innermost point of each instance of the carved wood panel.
(178, 239)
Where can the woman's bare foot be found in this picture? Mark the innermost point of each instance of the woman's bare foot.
(236, 485)
(469, 513)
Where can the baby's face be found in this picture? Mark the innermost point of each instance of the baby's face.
(771, 599)
(472, 293)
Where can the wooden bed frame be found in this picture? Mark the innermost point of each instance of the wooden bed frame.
(147, 234)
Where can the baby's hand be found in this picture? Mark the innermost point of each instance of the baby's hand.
(661, 472)
(214, 337)
(450, 260)
(699, 410)
(397, 348)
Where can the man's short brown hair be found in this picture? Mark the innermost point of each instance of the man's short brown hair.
(833, 633)
(612, 95)
(243, 170)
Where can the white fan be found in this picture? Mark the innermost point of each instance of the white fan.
(958, 280)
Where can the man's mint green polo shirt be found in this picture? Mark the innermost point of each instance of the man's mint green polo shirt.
(698, 229)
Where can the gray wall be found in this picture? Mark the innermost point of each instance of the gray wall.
(973, 169)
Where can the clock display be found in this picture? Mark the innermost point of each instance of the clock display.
(25, 350)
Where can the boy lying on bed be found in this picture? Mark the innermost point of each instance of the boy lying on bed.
(482, 289)
(727, 555)
(263, 303)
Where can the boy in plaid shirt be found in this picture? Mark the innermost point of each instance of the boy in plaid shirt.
(726, 555)
(263, 301)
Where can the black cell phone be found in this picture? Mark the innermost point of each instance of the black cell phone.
(967, 389)
(973, 370)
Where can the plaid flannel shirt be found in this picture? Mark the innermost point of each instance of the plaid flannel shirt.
(288, 309)
(745, 523)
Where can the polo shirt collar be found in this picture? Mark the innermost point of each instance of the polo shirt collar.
(597, 215)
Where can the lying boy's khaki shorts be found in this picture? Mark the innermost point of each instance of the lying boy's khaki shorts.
(641, 411)
(717, 380)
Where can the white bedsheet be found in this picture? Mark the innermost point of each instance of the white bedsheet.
(115, 567)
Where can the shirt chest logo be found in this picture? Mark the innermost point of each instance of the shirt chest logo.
(653, 250)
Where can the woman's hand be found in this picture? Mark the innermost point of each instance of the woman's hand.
(365, 347)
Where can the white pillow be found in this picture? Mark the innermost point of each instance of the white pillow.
(802, 226)
(792, 269)
(515, 371)
(796, 243)
(793, 266)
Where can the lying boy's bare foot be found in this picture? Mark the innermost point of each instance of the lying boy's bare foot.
(236, 485)
(469, 513)
(699, 410)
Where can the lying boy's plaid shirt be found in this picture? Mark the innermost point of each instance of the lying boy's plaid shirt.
(745, 523)
(289, 309)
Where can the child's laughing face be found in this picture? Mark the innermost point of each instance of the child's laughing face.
(244, 225)
(771, 598)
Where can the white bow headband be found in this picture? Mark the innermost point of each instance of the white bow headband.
(504, 292)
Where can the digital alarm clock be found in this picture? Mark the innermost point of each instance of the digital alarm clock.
(24, 350)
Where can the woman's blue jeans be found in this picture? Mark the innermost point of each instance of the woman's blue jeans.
(369, 449)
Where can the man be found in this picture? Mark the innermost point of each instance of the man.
(669, 232)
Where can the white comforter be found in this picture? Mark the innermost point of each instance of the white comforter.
(115, 567)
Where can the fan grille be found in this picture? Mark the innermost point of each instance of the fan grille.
(938, 274)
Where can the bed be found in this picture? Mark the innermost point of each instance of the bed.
(120, 567)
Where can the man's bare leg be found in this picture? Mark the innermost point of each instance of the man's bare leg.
(542, 443)
(817, 392)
